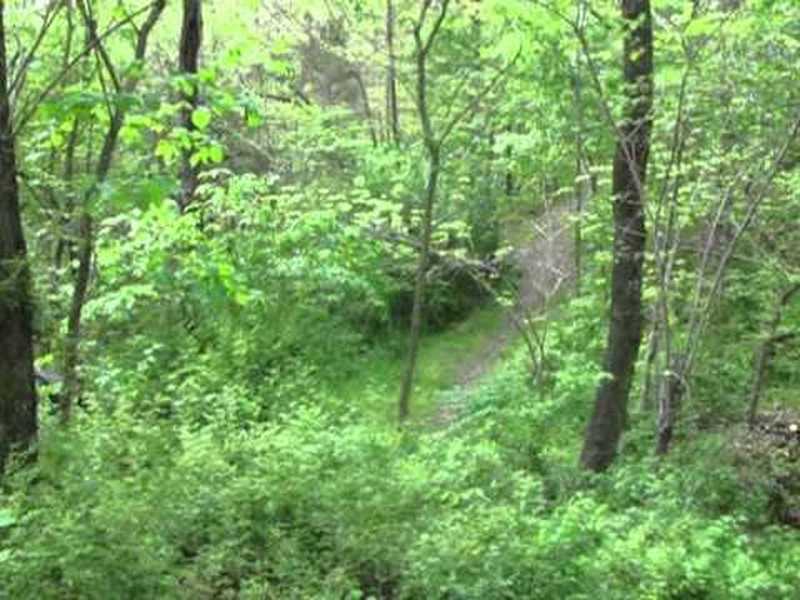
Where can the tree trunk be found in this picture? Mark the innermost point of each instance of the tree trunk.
(85, 252)
(670, 397)
(419, 283)
(766, 351)
(86, 223)
(191, 38)
(433, 152)
(583, 189)
(630, 166)
(391, 76)
(17, 391)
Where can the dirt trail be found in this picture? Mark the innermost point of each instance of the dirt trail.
(545, 260)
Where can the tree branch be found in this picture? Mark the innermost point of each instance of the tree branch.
(30, 108)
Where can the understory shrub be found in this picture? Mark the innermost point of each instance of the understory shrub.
(313, 505)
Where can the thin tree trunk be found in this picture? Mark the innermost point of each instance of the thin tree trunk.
(63, 243)
(763, 357)
(71, 355)
(362, 89)
(583, 184)
(670, 396)
(85, 251)
(18, 423)
(766, 351)
(86, 223)
(653, 348)
(432, 149)
(188, 59)
(391, 76)
(434, 163)
(629, 174)
(509, 186)
(583, 192)
(703, 303)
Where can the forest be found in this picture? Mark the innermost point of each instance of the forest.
(399, 299)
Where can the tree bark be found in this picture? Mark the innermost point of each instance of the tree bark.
(583, 187)
(434, 163)
(362, 91)
(766, 351)
(670, 397)
(432, 149)
(18, 423)
(188, 60)
(391, 76)
(629, 173)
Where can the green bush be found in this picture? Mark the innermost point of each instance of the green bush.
(313, 505)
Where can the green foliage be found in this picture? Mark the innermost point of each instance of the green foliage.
(312, 505)
(240, 360)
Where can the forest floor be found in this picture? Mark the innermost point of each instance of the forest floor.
(455, 360)
(543, 255)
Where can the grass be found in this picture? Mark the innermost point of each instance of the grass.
(373, 385)
(376, 385)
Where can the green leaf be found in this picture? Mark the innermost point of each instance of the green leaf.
(201, 117)
(166, 150)
(7, 519)
(215, 154)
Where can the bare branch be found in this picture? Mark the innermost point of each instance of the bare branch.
(99, 49)
(699, 323)
(473, 104)
(49, 18)
(30, 108)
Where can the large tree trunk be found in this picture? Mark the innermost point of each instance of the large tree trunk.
(188, 58)
(630, 167)
(17, 391)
